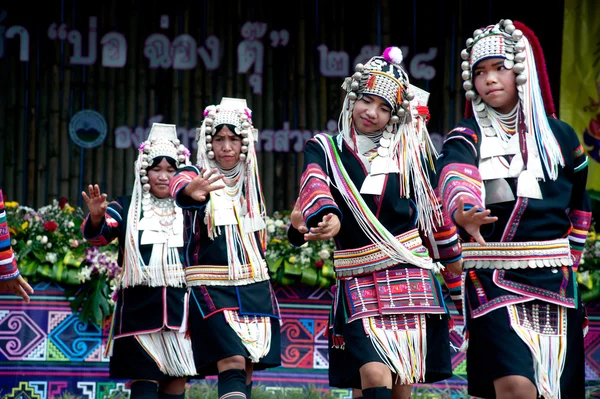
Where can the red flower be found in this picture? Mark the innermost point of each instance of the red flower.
(51, 226)
(319, 264)
(62, 202)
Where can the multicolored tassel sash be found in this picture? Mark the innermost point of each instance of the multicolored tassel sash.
(359, 261)
(517, 255)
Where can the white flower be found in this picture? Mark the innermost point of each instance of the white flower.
(51, 257)
(84, 274)
(49, 245)
(13, 242)
(278, 223)
(29, 242)
(38, 238)
(270, 228)
(324, 254)
(44, 240)
(268, 221)
(70, 224)
(306, 252)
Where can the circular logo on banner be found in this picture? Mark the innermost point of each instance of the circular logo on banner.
(87, 128)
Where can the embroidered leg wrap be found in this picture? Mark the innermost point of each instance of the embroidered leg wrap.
(232, 384)
(377, 393)
(249, 390)
(144, 390)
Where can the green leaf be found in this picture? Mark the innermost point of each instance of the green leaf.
(40, 255)
(274, 264)
(309, 277)
(328, 271)
(291, 269)
(595, 195)
(71, 259)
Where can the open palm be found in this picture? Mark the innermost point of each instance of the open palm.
(96, 202)
(472, 220)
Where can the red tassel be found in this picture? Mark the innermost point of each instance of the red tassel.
(540, 63)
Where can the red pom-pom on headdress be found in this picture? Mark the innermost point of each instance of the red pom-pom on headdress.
(393, 55)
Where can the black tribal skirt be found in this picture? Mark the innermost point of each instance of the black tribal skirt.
(213, 339)
(344, 365)
(495, 351)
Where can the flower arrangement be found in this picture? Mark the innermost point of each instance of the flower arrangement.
(49, 247)
(310, 264)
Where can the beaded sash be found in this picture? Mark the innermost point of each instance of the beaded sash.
(359, 261)
(221, 275)
(517, 255)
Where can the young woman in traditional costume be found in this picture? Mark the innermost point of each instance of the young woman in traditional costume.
(233, 316)
(145, 344)
(369, 188)
(513, 177)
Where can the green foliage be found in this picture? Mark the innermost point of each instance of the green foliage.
(49, 247)
(311, 264)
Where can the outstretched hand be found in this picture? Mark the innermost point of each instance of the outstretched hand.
(455, 267)
(471, 220)
(96, 203)
(327, 228)
(18, 286)
(297, 220)
(203, 184)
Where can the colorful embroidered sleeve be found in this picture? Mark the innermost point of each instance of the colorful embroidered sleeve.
(182, 178)
(454, 282)
(459, 174)
(110, 228)
(443, 245)
(315, 199)
(8, 262)
(579, 208)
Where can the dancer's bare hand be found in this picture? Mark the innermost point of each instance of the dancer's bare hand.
(297, 220)
(17, 286)
(199, 188)
(96, 203)
(327, 228)
(455, 267)
(472, 220)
